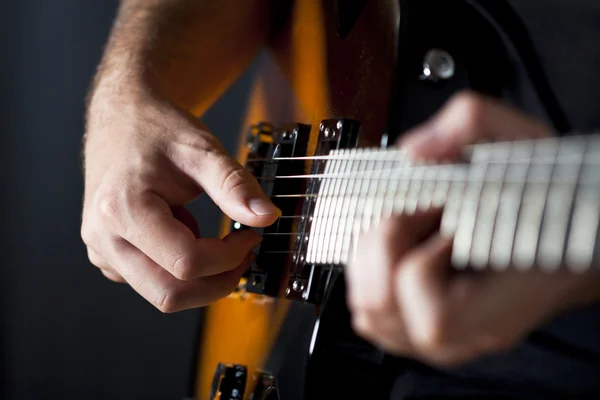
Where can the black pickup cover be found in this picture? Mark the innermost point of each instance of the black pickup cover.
(274, 254)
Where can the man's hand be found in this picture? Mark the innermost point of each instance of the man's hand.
(400, 290)
(145, 159)
(146, 155)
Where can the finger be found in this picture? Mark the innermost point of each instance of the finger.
(231, 186)
(368, 275)
(466, 119)
(112, 275)
(164, 291)
(385, 329)
(420, 283)
(153, 229)
(99, 261)
(96, 259)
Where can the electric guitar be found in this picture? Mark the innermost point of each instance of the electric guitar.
(339, 81)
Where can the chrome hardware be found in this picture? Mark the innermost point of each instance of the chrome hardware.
(437, 65)
(229, 382)
(297, 286)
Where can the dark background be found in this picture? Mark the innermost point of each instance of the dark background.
(69, 333)
(66, 331)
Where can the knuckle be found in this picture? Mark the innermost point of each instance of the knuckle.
(361, 323)
(94, 258)
(233, 179)
(362, 300)
(433, 338)
(183, 268)
(112, 276)
(109, 205)
(87, 234)
(472, 109)
(376, 303)
(167, 301)
(191, 151)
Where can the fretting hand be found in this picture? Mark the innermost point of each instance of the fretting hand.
(399, 291)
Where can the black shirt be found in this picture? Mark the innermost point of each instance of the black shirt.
(561, 358)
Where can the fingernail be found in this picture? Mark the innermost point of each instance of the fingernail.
(263, 207)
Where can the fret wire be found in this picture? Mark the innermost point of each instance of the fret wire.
(440, 194)
(390, 186)
(582, 242)
(360, 200)
(380, 198)
(467, 216)
(326, 226)
(314, 242)
(484, 228)
(452, 206)
(365, 203)
(340, 230)
(503, 237)
(333, 223)
(349, 223)
(414, 188)
(552, 243)
(370, 197)
(428, 187)
(533, 204)
(405, 185)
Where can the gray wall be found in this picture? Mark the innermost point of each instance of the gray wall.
(68, 333)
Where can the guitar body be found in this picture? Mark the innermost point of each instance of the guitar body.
(357, 65)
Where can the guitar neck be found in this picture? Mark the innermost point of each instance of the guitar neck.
(521, 204)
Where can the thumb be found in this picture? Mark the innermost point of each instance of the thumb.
(231, 186)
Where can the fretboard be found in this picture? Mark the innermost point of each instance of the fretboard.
(512, 204)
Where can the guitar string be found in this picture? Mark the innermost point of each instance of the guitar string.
(375, 153)
(412, 166)
(360, 175)
(385, 195)
(543, 143)
(366, 193)
(387, 156)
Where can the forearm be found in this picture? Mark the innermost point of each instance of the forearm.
(187, 51)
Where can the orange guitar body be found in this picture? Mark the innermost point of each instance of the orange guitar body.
(307, 74)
